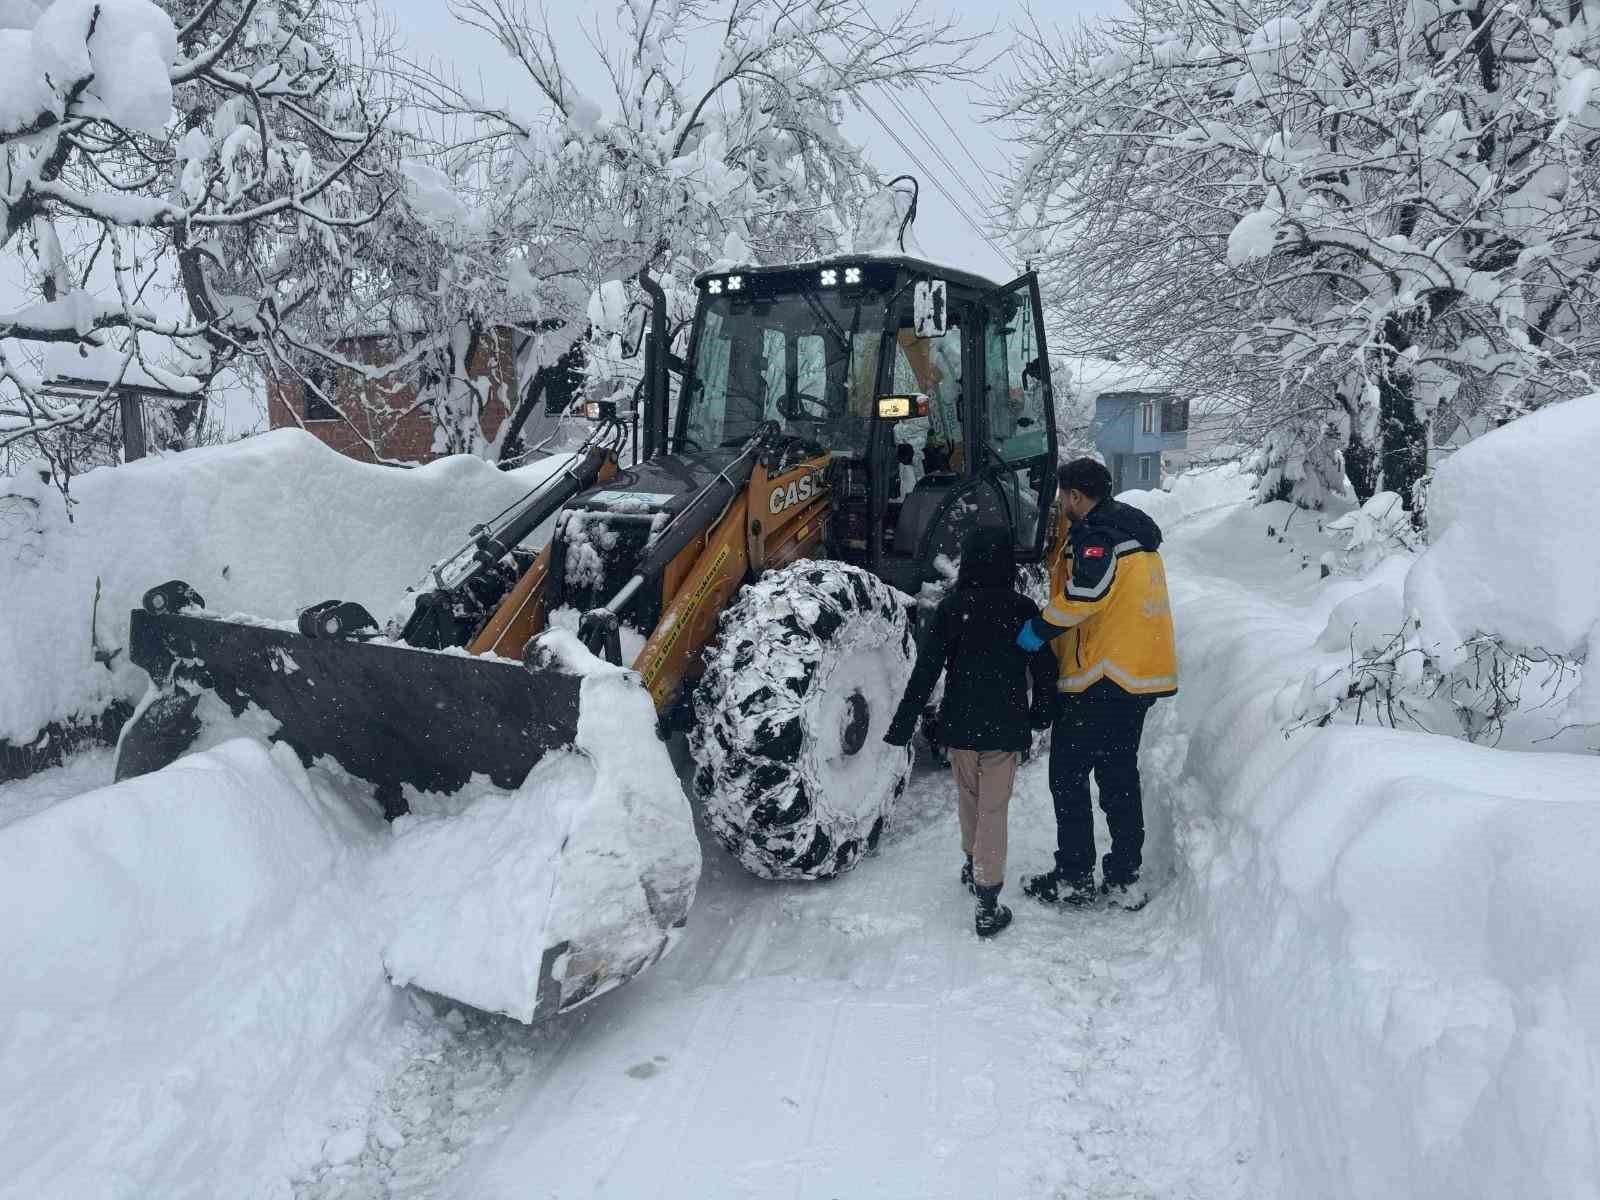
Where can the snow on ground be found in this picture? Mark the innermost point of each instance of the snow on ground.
(1369, 969)
(849, 1038)
(197, 1002)
(265, 526)
(1404, 928)
(190, 994)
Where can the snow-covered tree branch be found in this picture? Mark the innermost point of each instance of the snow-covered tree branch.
(181, 186)
(538, 211)
(1355, 213)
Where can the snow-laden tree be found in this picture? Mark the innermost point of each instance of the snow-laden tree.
(180, 186)
(718, 140)
(1352, 210)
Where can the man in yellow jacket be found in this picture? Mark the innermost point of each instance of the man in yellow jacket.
(1110, 624)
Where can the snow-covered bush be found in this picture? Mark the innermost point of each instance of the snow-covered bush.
(1494, 622)
(1369, 534)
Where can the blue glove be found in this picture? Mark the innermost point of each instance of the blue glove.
(1028, 640)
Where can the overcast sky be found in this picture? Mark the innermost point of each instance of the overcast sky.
(430, 32)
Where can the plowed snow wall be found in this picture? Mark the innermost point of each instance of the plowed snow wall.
(265, 527)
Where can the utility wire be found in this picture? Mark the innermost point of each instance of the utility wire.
(933, 178)
(985, 207)
(914, 157)
(983, 172)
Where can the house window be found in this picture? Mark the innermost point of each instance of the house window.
(1146, 467)
(1149, 413)
(319, 407)
(1175, 416)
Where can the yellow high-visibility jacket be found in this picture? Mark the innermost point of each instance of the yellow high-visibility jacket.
(1108, 592)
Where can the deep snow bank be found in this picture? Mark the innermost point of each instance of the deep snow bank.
(1514, 545)
(198, 960)
(1193, 492)
(264, 526)
(1405, 928)
(190, 995)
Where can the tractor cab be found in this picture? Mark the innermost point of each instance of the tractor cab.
(929, 387)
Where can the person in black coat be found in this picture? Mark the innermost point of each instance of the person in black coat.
(986, 717)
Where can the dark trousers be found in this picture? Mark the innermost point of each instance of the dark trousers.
(1099, 734)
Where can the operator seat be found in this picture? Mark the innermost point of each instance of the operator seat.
(919, 508)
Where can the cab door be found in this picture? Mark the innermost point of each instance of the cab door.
(1016, 429)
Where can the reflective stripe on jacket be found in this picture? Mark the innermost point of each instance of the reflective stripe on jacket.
(1108, 591)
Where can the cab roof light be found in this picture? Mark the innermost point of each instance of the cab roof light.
(830, 277)
(714, 286)
(852, 274)
(735, 282)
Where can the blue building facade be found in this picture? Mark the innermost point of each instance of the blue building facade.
(1134, 428)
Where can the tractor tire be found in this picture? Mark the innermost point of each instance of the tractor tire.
(791, 767)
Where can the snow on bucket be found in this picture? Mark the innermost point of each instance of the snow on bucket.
(534, 901)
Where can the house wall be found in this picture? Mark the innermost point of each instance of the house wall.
(382, 414)
(1120, 438)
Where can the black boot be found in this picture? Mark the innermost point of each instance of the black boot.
(992, 915)
(966, 876)
(1055, 888)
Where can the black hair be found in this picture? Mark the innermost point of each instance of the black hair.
(1087, 475)
(988, 559)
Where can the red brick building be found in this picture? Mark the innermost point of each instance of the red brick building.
(382, 415)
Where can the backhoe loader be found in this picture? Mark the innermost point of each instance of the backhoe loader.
(834, 430)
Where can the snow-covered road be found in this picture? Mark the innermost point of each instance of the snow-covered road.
(847, 1039)
(842, 1039)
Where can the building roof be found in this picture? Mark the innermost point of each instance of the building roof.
(81, 364)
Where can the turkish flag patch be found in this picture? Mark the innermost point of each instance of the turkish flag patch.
(1094, 551)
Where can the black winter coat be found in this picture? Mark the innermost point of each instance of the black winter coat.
(973, 640)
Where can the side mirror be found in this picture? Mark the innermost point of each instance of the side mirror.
(631, 349)
(898, 408)
(929, 313)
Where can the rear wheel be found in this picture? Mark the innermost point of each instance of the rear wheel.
(791, 765)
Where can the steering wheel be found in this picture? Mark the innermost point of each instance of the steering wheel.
(795, 404)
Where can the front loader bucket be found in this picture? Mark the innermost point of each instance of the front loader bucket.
(569, 876)
(390, 714)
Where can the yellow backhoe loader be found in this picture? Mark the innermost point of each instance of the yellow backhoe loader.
(835, 429)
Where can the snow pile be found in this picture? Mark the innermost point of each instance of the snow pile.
(198, 961)
(1404, 928)
(190, 994)
(594, 858)
(265, 526)
(1193, 492)
(1515, 540)
(1491, 631)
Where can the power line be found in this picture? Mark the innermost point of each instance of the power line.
(993, 201)
(933, 178)
(913, 156)
(984, 206)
